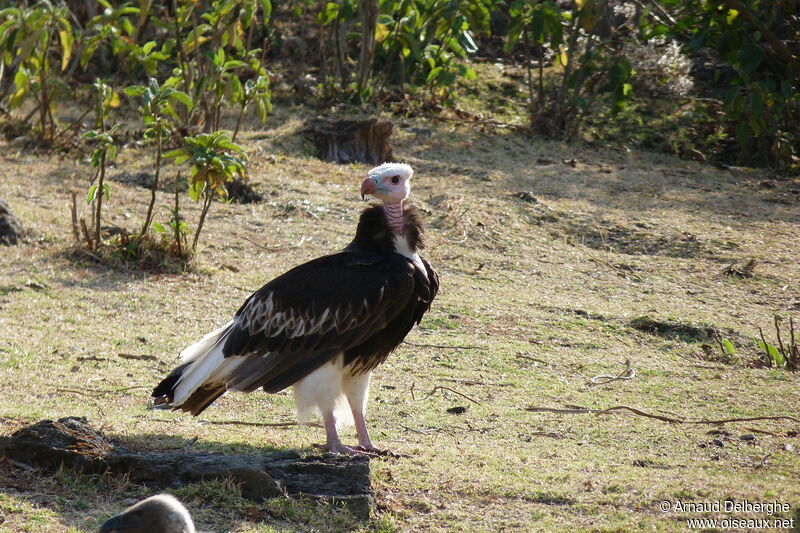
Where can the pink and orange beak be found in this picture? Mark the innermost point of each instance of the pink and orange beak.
(368, 186)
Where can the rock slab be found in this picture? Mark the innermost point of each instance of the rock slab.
(73, 443)
(10, 228)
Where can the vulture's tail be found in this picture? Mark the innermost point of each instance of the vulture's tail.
(193, 386)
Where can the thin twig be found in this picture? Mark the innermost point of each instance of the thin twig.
(484, 122)
(718, 338)
(278, 247)
(534, 359)
(459, 241)
(139, 357)
(766, 346)
(693, 363)
(74, 212)
(258, 424)
(86, 235)
(442, 387)
(625, 273)
(78, 122)
(99, 392)
(452, 346)
(76, 391)
(756, 430)
(778, 334)
(420, 431)
(476, 382)
(82, 359)
(547, 434)
(612, 410)
(243, 289)
(602, 379)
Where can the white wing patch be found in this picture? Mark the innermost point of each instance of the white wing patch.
(261, 317)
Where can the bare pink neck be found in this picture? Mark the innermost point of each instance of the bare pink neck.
(394, 216)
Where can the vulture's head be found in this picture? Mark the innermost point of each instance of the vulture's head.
(157, 514)
(390, 183)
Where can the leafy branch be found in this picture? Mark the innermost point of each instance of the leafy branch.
(214, 160)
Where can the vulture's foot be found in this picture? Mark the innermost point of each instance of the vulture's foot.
(349, 450)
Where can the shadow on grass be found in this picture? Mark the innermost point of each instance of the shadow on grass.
(639, 181)
(71, 446)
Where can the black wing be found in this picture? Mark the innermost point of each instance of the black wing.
(300, 320)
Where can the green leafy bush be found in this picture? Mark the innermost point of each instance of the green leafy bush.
(761, 102)
(26, 37)
(214, 159)
(587, 63)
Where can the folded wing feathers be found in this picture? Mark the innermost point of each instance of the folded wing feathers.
(261, 316)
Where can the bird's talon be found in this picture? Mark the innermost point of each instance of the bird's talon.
(342, 449)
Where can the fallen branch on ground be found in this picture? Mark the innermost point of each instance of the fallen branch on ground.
(421, 431)
(278, 247)
(259, 424)
(453, 347)
(138, 357)
(442, 387)
(477, 382)
(551, 434)
(602, 379)
(626, 272)
(615, 409)
(534, 359)
(99, 392)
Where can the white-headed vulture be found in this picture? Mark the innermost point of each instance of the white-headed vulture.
(323, 326)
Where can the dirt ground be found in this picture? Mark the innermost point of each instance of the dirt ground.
(547, 253)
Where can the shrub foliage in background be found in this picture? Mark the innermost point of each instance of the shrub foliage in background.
(583, 58)
(735, 62)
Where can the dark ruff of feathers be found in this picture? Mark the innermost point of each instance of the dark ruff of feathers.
(373, 296)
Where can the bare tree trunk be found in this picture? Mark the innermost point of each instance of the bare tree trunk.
(369, 19)
(528, 59)
(238, 123)
(154, 188)
(98, 195)
(327, 80)
(45, 102)
(74, 212)
(101, 173)
(177, 216)
(341, 47)
(206, 204)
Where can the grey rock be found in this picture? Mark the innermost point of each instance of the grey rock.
(73, 443)
(10, 227)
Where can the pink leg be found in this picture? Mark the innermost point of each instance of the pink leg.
(361, 430)
(333, 443)
(364, 442)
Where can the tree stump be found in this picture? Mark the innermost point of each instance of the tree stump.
(73, 443)
(242, 192)
(10, 228)
(350, 141)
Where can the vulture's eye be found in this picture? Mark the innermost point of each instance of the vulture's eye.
(395, 179)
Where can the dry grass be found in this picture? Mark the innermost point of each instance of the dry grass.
(537, 298)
